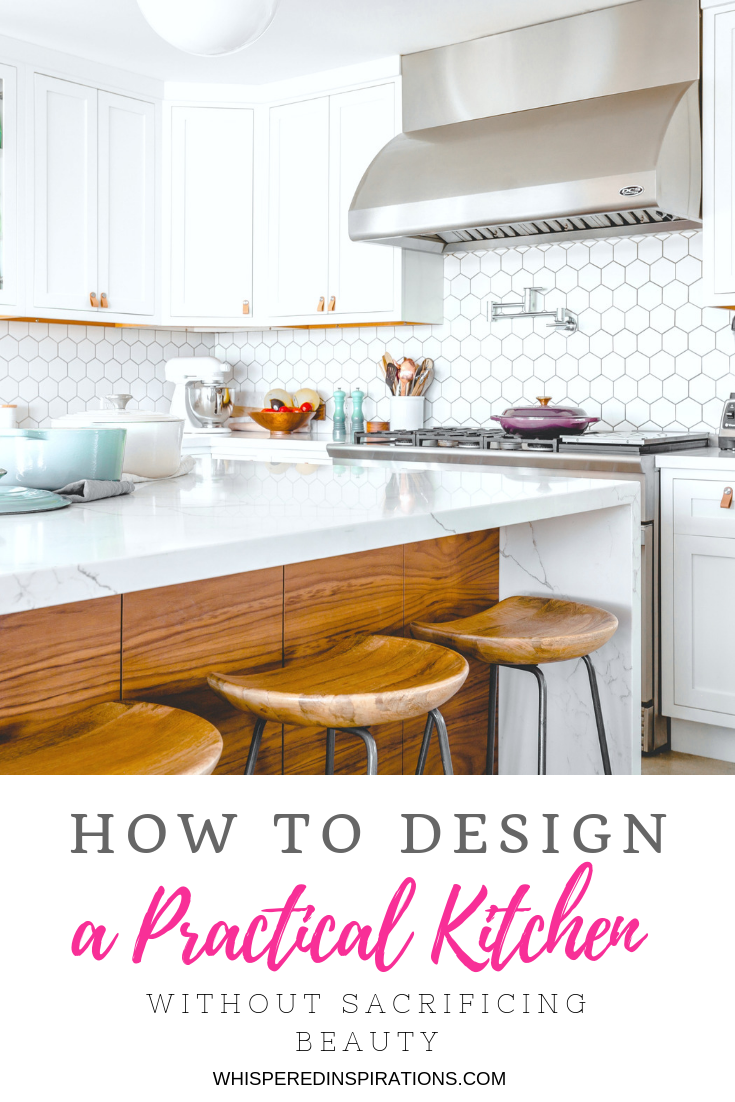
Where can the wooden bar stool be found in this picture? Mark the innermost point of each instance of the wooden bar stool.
(360, 683)
(118, 739)
(521, 633)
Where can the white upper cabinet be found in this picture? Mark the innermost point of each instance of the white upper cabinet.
(94, 201)
(718, 197)
(9, 282)
(65, 194)
(298, 238)
(319, 151)
(212, 214)
(126, 204)
(362, 278)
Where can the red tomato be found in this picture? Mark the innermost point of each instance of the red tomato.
(306, 407)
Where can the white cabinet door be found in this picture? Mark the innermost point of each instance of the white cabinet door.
(298, 239)
(718, 156)
(65, 194)
(362, 277)
(704, 609)
(8, 187)
(126, 182)
(211, 212)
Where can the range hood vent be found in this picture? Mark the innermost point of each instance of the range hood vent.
(605, 165)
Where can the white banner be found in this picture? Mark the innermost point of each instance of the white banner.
(556, 938)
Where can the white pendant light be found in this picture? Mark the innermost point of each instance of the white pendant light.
(209, 27)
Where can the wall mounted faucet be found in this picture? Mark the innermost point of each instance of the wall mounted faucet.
(532, 307)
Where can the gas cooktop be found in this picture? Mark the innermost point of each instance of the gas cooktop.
(482, 439)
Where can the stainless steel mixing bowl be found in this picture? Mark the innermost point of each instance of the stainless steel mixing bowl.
(210, 403)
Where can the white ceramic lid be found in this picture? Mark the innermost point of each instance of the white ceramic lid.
(113, 417)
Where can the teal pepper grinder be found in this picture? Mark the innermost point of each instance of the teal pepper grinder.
(339, 425)
(358, 417)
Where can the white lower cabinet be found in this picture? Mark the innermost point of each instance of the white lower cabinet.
(211, 215)
(94, 203)
(698, 597)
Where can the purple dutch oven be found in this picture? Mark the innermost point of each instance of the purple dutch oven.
(544, 422)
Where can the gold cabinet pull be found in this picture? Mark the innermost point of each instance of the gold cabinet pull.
(246, 306)
(93, 300)
(332, 303)
(320, 307)
(726, 498)
(103, 301)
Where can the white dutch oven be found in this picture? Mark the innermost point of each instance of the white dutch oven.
(153, 444)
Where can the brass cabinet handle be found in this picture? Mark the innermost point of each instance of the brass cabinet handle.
(320, 307)
(726, 498)
(332, 303)
(246, 306)
(94, 301)
(103, 301)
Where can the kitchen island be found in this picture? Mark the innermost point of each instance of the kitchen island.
(245, 564)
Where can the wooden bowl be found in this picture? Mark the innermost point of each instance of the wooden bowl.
(281, 424)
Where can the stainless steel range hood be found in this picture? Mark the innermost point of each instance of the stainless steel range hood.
(584, 127)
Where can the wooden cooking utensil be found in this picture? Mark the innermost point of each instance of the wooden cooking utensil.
(407, 375)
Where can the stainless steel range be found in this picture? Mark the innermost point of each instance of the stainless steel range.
(619, 455)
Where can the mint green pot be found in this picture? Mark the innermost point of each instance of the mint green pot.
(47, 459)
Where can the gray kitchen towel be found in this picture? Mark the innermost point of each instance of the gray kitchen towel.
(93, 489)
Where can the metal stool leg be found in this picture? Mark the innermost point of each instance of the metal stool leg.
(331, 740)
(423, 752)
(254, 747)
(491, 712)
(441, 731)
(541, 717)
(435, 719)
(370, 747)
(598, 715)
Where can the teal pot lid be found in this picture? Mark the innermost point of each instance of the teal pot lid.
(20, 499)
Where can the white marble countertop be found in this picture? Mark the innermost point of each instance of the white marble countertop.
(705, 459)
(258, 442)
(235, 515)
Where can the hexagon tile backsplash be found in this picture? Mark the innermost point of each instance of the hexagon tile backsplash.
(646, 355)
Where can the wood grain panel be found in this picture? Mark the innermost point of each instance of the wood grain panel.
(444, 579)
(326, 601)
(174, 636)
(56, 661)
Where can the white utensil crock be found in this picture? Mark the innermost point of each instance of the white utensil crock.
(407, 413)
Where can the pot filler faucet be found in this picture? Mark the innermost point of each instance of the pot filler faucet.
(532, 307)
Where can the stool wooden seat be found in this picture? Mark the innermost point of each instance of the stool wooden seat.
(521, 633)
(118, 739)
(361, 682)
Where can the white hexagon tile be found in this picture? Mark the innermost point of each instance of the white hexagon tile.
(647, 355)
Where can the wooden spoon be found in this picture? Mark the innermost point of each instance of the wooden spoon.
(407, 375)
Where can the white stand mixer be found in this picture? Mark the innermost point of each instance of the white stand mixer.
(201, 396)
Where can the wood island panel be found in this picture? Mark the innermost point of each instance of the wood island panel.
(55, 662)
(326, 601)
(159, 645)
(445, 579)
(174, 636)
